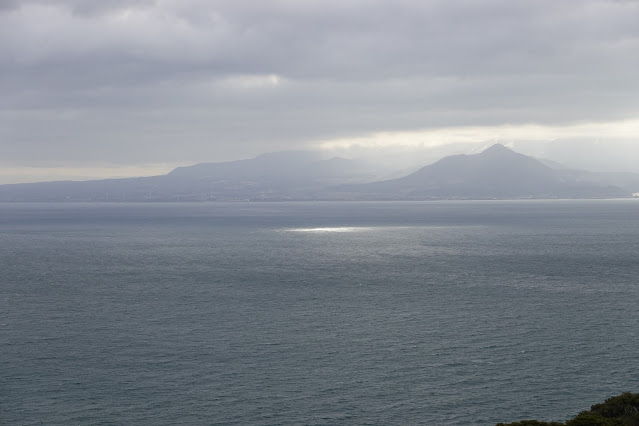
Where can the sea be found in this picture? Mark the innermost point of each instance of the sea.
(316, 313)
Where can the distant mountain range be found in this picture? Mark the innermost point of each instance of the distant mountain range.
(497, 172)
(276, 176)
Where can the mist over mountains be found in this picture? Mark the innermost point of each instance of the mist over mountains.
(494, 173)
(497, 172)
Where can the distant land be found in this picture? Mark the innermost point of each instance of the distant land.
(496, 173)
(501, 173)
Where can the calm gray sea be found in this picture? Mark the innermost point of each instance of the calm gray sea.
(439, 313)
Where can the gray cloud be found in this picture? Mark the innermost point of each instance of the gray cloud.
(189, 80)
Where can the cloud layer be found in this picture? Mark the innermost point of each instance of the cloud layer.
(128, 82)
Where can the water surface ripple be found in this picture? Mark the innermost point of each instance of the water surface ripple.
(447, 313)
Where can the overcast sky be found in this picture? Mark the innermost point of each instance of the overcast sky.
(91, 87)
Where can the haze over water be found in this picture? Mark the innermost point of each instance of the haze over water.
(448, 313)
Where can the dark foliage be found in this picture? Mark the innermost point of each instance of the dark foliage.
(621, 410)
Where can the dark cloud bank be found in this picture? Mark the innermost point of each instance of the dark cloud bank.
(140, 82)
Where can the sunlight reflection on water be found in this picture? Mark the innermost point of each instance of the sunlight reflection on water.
(332, 229)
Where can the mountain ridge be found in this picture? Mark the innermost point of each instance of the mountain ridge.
(495, 172)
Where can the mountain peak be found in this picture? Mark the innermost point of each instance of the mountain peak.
(496, 149)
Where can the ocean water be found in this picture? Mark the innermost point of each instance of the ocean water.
(438, 313)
